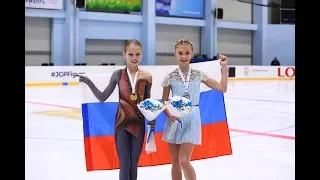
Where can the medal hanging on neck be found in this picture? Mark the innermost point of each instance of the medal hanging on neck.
(133, 95)
(186, 83)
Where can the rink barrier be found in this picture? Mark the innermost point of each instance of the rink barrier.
(59, 84)
(57, 76)
(51, 84)
(261, 79)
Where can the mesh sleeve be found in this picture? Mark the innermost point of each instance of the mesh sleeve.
(165, 81)
(205, 77)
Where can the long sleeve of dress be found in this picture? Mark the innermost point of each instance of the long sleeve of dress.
(103, 96)
(147, 93)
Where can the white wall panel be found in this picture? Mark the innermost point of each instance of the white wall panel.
(37, 41)
(236, 11)
(166, 37)
(237, 61)
(104, 51)
(237, 44)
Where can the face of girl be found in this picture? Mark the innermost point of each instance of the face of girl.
(133, 55)
(183, 54)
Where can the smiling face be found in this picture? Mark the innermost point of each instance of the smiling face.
(133, 53)
(183, 53)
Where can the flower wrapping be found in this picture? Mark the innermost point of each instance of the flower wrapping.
(151, 109)
(178, 106)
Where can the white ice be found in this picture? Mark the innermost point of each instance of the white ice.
(256, 111)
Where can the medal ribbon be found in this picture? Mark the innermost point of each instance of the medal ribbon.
(133, 83)
(185, 82)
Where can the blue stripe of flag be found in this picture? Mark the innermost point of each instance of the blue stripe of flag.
(99, 118)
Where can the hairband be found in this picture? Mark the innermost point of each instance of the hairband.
(183, 41)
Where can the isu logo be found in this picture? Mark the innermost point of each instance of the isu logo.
(288, 72)
(246, 71)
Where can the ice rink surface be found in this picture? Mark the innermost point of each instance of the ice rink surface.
(261, 117)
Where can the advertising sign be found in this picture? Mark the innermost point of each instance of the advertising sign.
(44, 4)
(180, 8)
(253, 71)
(287, 72)
(114, 6)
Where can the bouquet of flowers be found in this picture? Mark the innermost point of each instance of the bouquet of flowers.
(178, 106)
(151, 109)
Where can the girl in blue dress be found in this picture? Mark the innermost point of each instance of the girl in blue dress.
(185, 81)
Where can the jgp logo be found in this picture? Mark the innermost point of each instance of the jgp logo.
(288, 72)
(63, 74)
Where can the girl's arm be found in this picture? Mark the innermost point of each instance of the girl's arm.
(147, 90)
(102, 96)
(213, 84)
(165, 97)
(147, 94)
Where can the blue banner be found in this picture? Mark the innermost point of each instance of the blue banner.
(180, 8)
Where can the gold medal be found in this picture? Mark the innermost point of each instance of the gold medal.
(133, 97)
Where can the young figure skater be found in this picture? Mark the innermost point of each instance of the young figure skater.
(185, 81)
(134, 86)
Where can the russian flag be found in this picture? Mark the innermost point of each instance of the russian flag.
(99, 121)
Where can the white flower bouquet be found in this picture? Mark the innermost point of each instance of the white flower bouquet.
(151, 109)
(178, 106)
